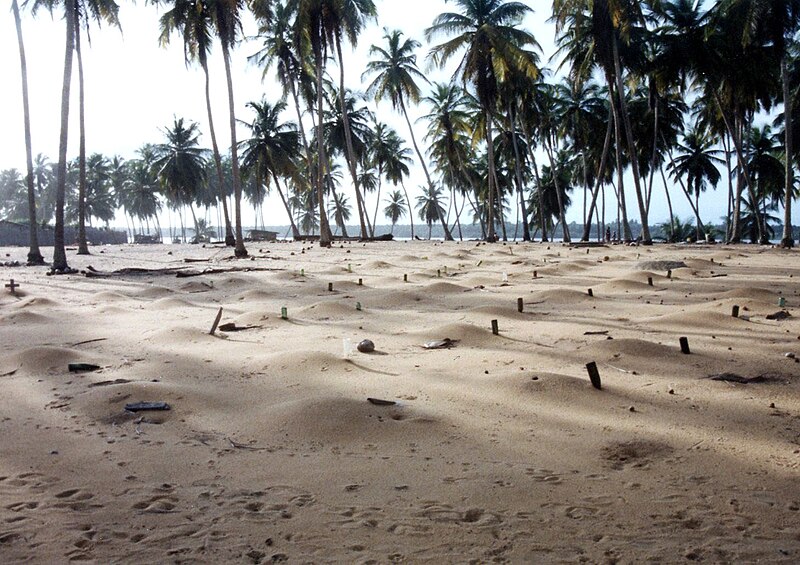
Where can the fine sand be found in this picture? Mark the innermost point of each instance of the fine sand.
(496, 450)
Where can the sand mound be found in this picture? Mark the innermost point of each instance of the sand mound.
(633, 347)
(257, 295)
(467, 334)
(751, 293)
(171, 303)
(197, 286)
(344, 420)
(376, 266)
(109, 297)
(401, 299)
(700, 318)
(559, 296)
(663, 265)
(495, 312)
(444, 288)
(322, 310)
(36, 302)
(627, 285)
(38, 360)
(152, 292)
(24, 317)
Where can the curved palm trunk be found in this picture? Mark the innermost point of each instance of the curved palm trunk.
(83, 247)
(491, 236)
(309, 176)
(598, 180)
(34, 255)
(230, 240)
(622, 207)
(410, 210)
(526, 232)
(295, 231)
(351, 157)
(626, 121)
(59, 251)
(447, 235)
(325, 236)
(788, 239)
(561, 218)
(240, 250)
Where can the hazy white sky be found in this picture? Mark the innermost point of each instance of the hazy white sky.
(134, 88)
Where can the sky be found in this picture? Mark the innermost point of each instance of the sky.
(134, 88)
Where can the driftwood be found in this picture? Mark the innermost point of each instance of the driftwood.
(179, 272)
(82, 367)
(381, 402)
(142, 406)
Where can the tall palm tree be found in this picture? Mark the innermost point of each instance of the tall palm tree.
(226, 16)
(397, 72)
(193, 21)
(98, 10)
(34, 255)
(60, 264)
(488, 32)
(395, 207)
(272, 150)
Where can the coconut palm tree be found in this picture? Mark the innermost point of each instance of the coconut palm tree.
(193, 20)
(493, 43)
(34, 254)
(98, 10)
(697, 162)
(272, 150)
(180, 164)
(395, 71)
(430, 206)
(395, 207)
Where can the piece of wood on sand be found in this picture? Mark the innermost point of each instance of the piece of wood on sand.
(594, 374)
(216, 322)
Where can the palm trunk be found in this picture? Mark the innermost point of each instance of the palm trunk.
(626, 121)
(34, 255)
(538, 180)
(729, 168)
(309, 175)
(230, 240)
(599, 179)
(620, 189)
(490, 236)
(447, 235)
(325, 236)
(526, 232)
(239, 250)
(378, 201)
(295, 231)
(788, 239)
(83, 247)
(59, 251)
(548, 145)
(669, 205)
(410, 210)
(351, 156)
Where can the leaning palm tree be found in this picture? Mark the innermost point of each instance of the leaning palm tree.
(489, 33)
(395, 207)
(34, 255)
(193, 21)
(272, 150)
(395, 67)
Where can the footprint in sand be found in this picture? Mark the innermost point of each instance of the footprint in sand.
(544, 476)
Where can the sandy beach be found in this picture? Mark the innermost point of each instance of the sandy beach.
(496, 449)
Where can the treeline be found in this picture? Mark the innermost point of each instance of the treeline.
(671, 94)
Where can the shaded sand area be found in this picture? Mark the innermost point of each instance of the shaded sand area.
(497, 449)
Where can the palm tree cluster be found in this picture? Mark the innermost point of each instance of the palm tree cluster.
(660, 93)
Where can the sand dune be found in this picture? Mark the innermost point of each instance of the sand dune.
(497, 449)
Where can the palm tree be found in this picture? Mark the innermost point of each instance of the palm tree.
(226, 16)
(430, 206)
(60, 264)
(395, 207)
(34, 255)
(697, 162)
(775, 22)
(396, 70)
(99, 10)
(194, 21)
(272, 150)
(180, 164)
(396, 168)
(494, 45)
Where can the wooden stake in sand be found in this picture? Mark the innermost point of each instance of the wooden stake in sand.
(535, 275)
(360, 282)
(781, 301)
(685, 345)
(330, 287)
(590, 292)
(649, 281)
(216, 322)
(405, 278)
(358, 306)
(594, 374)
(669, 274)
(284, 313)
(735, 311)
(520, 305)
(495, 328)
(12, 286)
